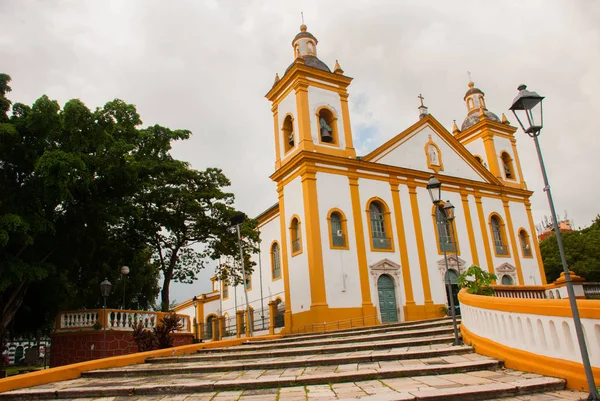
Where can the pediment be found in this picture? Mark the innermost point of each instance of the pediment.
(385, 265)
(428, 146)
(506, 268)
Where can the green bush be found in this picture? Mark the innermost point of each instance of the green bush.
(477, 281)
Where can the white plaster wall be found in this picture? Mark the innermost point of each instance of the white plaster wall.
(436, 277)
(188, 311)
(503, 145)
(411, 154)
(477, 148)
(531, 271)
(271, 288)
(297, 265)
(491, 205)
(342, 280)
(479, 238)
(551, 336)
(381, 189)
(287, 105)
(411, 246)
(211, 308)
(318, 97)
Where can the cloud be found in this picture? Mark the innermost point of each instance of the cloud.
(206, 66)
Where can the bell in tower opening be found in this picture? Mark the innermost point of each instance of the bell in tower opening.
(325, 131)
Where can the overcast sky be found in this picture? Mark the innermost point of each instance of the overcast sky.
(206, 66)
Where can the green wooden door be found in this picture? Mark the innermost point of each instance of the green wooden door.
(387, 299)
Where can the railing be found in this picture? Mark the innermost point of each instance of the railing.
(591, 290)
(520, 291)
(324, 327)
(115, 319)
(555, 290)
(382, 243)
(514, 329)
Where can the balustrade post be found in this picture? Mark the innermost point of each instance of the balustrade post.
(239, 321)
(222, 325)
(272, 314)
(215, 329)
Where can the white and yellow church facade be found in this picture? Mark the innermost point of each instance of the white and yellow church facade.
(354, 236)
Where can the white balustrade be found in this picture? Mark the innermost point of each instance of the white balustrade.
(122, 320)
(541, 334)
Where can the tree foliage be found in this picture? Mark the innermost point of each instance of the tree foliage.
(84, 192)
(582, 250)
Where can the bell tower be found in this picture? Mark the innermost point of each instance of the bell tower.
(490, 139)
(310, 105)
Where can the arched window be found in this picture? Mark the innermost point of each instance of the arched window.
(445, 232)
(379, 226)
(507, 164)
(507, 280)
(481, 102)
(327, 126)
(209, 328)
(479, 159)
(525, 244)
(337, 230)
(287, 133)
(225, 286)
(498, 235)
(275, 261)
(310, 48)
(295, 236)
(470, 103)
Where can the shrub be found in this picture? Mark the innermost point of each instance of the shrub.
(477, 281)
(160, 336)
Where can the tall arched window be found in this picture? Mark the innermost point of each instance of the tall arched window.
(525, 244)
(287, 133)
(379, 226)
(327, 126)
(337, 229)
(507, 164)
(295, 236)
(498, 235)
(507, 280)
(445, 232)
(275, 261)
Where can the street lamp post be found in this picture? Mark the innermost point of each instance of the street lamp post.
(527, 108)
(105, 288)
(434, 186)
(124, 273)
(195, 302)
(236, 221)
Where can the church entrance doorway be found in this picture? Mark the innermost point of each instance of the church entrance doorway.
(452, 278)
(387, 299)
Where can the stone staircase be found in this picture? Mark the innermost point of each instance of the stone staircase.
(405, 361)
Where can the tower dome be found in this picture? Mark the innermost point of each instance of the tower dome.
(476, 110)
(305, 47)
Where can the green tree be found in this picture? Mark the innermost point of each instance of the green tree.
(582, 250)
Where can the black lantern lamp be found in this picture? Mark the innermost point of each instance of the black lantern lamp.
(195, 303)
(434, 186)
(449, 211)
(527, 108)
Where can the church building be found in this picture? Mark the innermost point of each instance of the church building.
(358, 236)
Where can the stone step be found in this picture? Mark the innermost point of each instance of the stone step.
(437, 354)
(361, 330)
(202, 383)
(242, 353)
(433, 331)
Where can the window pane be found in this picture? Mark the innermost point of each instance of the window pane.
(337, 235)
(501, 249)
(378, 234)
(276, 263)
(445, 237)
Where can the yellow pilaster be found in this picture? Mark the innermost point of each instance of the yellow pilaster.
(513, 241)
(305, 138)
(272, 314)
(221, 327)
(284, 259)
(469, 222)
(513, 142)
(314, 249)
(492, 155)
(277, 130)
(239, 322)
(484, 234)
(215, 329)
(361, 254)
(533, 236)
(350, 152)
(410, 301)
(414, 204)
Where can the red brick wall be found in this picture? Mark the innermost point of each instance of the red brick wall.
(76, 347)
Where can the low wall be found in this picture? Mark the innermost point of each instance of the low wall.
(81, 346)
(535, 335)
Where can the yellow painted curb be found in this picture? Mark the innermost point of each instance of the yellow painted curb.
(528, 362)
(74, 371)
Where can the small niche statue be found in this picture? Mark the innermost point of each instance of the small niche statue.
(325, 131)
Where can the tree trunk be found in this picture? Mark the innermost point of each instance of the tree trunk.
(164, 294)
(10, 302)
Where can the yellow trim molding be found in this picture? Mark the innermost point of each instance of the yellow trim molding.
(469, 222)
(484, 235)
(284, 258)
(414, 204)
